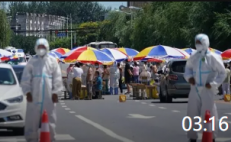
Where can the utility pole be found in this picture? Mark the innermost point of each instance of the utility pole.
(67, 25)
(71, 32)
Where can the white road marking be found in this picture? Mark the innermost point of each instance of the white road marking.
(139, 116)
(64, 106)
(62, 103)
(162, 108)
(137, 100)
(105, 130)
(175, 111)
(71, 111)
(143, 103)
(59, 137)
(64, 137)
(228, 113)
(67, 109)
(152, 105)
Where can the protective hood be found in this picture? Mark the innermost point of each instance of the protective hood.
(41, 41)
(204, 39)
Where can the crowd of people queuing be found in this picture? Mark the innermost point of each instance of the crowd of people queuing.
(109, 79)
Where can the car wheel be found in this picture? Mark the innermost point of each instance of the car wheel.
(162, 98)
(18, 131)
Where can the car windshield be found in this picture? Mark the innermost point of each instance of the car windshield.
(18, 71)
(7, 77)
(107, 46)
(178, 66)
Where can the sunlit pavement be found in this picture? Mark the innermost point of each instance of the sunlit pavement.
(109, 120)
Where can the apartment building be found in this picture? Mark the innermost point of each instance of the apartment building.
(32, 24)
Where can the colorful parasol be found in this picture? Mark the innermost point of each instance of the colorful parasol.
(61, 50)
(226, 55)
(71, 55)
(155, 60)
(90, 55)
(189, 50)
(128, 51)
(54, 54)
(215, 51)
(5, 54)
(115, 54)
(161, 51)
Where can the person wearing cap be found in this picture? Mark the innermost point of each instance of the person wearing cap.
(41, 83)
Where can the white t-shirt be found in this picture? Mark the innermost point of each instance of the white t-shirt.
(77, 72)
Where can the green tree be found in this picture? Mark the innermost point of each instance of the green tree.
(61, 42)
(80, 11)
(21, 42)
(5, 30)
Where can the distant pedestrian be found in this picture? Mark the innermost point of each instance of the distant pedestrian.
(226, 83)
(76, 83)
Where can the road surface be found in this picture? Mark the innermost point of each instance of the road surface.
(133, 121)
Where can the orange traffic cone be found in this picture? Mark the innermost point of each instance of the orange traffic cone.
(207, 133)
(45, 132)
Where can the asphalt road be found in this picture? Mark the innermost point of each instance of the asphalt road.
(132, 121)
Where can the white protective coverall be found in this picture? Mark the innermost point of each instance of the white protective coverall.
(114, 79)
(84, 75)
(205, 67)
(42, 78)
(69, 80)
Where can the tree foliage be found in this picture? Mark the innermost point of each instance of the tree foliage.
(168, 23)
(171, 23)
(80, 11)
(60, 42)
(21, 42)
(5, 31)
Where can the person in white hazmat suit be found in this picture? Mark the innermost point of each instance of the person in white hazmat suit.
(114, 79)
(205, 72)
(42, 83)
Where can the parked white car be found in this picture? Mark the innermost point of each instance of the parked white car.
(12, 101)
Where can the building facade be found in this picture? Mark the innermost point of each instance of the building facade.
(32, 24)
(137, 3)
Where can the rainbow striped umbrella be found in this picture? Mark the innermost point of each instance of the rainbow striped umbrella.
(189, 50)
(61, 50)
(5, 55)
(215, 51)
(90, 55)
(54, 54)
(161, 51)
(75, 52)
(128, 51)
(115, 54)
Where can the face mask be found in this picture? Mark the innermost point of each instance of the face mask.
(199, 47)
(41, 52)
(97, 66)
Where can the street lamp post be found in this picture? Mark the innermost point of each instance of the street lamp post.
(71, 32)
(129, 10)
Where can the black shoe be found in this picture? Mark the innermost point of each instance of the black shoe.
(213, 140)
(192, 140)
